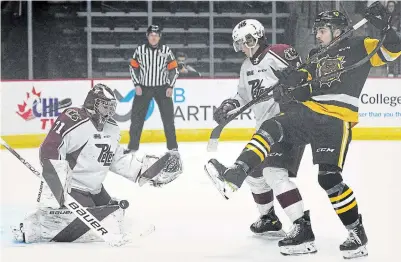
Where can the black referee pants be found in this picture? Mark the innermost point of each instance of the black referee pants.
(139, 109)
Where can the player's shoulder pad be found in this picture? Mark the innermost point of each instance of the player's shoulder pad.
(73, 117)
(284, 51)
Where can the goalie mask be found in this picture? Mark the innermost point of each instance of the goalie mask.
(247, 33)
(101, 104)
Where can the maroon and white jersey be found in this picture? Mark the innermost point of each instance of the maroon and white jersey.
(91, 154)
(257, 74)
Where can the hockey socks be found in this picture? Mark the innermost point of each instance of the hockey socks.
(341, 196)
(254, 152)
(258, 148)
(345, 205)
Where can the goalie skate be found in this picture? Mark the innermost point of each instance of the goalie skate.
(215, 171)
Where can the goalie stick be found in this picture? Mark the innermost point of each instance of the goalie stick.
(266, 95)
(85, 216)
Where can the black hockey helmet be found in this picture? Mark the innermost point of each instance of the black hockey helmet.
(333, 19)
(154, 29)
(101, 104)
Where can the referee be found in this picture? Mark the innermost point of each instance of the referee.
(154, 71)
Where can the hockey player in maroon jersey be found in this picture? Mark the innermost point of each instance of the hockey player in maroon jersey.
(78, 153)
(272, 176)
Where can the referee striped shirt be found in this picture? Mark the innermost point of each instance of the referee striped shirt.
(153, 67)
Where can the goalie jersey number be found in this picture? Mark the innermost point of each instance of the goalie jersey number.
(106, 155)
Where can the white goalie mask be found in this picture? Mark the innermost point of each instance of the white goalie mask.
(247, 33)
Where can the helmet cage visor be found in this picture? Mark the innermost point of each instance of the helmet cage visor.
(248, 41)
(105, 108)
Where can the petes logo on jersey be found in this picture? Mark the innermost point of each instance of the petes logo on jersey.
(256, 87)
(106, 155)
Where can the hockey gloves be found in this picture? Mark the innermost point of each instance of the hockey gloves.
(290, 77)
(378, 16)
(226, 106)
(284, 94)
(289, 89)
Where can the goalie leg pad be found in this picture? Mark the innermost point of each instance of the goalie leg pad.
(57, 177)
(61, 225)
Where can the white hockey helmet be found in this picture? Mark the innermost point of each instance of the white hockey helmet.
(247, 32)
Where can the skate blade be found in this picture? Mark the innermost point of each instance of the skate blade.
(302, 249)
(359, 252)
(272, 235)
(213, 175)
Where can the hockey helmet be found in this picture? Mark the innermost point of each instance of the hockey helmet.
(332, 19)
(101, 104)
(153, 29)
(247, 32)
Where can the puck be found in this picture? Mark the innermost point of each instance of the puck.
(124, 204)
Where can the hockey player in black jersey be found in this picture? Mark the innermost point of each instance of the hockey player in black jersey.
(325, 112)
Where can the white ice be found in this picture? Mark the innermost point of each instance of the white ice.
(194, 223)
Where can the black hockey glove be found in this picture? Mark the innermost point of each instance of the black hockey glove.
(290, 77)
(378, 16)
(285, 94)
(226, 106)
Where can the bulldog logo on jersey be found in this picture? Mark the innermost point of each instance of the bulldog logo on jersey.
(327, 65)
(106, 155)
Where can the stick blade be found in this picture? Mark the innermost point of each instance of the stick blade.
(65, 103)
(212, 145)
(214, 138)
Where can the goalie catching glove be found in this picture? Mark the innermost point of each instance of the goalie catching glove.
(171, 170)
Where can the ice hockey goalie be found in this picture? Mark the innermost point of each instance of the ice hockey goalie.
(76, 156)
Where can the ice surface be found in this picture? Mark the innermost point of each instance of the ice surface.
(194, 223)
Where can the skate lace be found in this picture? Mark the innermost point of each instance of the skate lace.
(353, 237)
(262, 220)
(294, 232)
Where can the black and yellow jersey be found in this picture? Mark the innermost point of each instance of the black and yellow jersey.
(338, 96)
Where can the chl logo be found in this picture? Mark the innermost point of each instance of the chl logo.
(105, 156)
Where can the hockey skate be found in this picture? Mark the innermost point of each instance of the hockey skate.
(301, 238)
(268, 225)
(216, 171)
(355, 245)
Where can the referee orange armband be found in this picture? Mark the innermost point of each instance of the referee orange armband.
(173, 64)
(134, 63)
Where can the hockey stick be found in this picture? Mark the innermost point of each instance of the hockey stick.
(61, 104)
(75, 207)
(216, 132)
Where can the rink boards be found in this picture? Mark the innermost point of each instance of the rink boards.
(25, 118)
